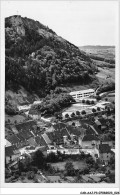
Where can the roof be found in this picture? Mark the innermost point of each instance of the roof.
(59, 126)
(97, 129)
(104, 148)
(106, 139)
(89, 129)
(9, 151)
(74, 130)
(13, 139)
(54, 178)
(82, 91)
(21, 137)
(26, 134)
(42, 141)
(102, 120)
(26, 125)
(90, 137)
(46, 138)
(85, 178)
(58, 134)
(95, 178)
(37, 139)
(97, 122)
(32, 142)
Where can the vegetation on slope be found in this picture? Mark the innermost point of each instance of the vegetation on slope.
(39, 60)
(53, 103)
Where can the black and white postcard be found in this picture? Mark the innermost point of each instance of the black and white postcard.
(60, 96)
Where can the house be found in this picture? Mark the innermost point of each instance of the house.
(46, 138)
(105, 153)
(27, 125)
(32, 141)
(97, 129)
(59, 126)
(108, 141)
(90, 141)
(11, 154)
(59, 136)
(22, 141)
(13, 139)
(40, 140)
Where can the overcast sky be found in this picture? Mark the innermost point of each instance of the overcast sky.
(80, 22)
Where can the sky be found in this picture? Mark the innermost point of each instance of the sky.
(80, 22)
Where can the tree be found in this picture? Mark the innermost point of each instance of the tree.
(58, 115)
(39, 159)
(106, 99)
(52, 157)
(98, 98)
(77, 113)
(93, 110)
(66, 115)
(112, 162)
(73, 124)
(69, 168)
(98, 108)
(90, 160)
(87, 102)
(83, 101)
(83, 112)
(73, 115)
(92, 102)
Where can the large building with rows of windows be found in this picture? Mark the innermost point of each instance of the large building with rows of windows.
(82, 94)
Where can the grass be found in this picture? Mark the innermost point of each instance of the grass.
(103, 73)
(77, 165)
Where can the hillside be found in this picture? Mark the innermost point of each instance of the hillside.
(39, 60)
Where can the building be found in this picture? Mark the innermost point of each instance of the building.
(108, 141)
(90, 141)
(11, 154)
(82, 94)
(105, 153)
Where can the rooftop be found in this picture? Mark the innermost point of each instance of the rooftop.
(90, 137)
(9, 151)
(82, 91)
(27, 125)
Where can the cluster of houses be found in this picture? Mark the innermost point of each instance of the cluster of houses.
(83, 136)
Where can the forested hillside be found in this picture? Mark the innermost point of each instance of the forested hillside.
(40, 60)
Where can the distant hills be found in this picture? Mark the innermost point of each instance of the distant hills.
(96, 47)
(100, 53)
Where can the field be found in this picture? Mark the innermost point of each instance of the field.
(100, 51)
(106, 75)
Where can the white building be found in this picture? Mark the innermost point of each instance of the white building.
(82, 94)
